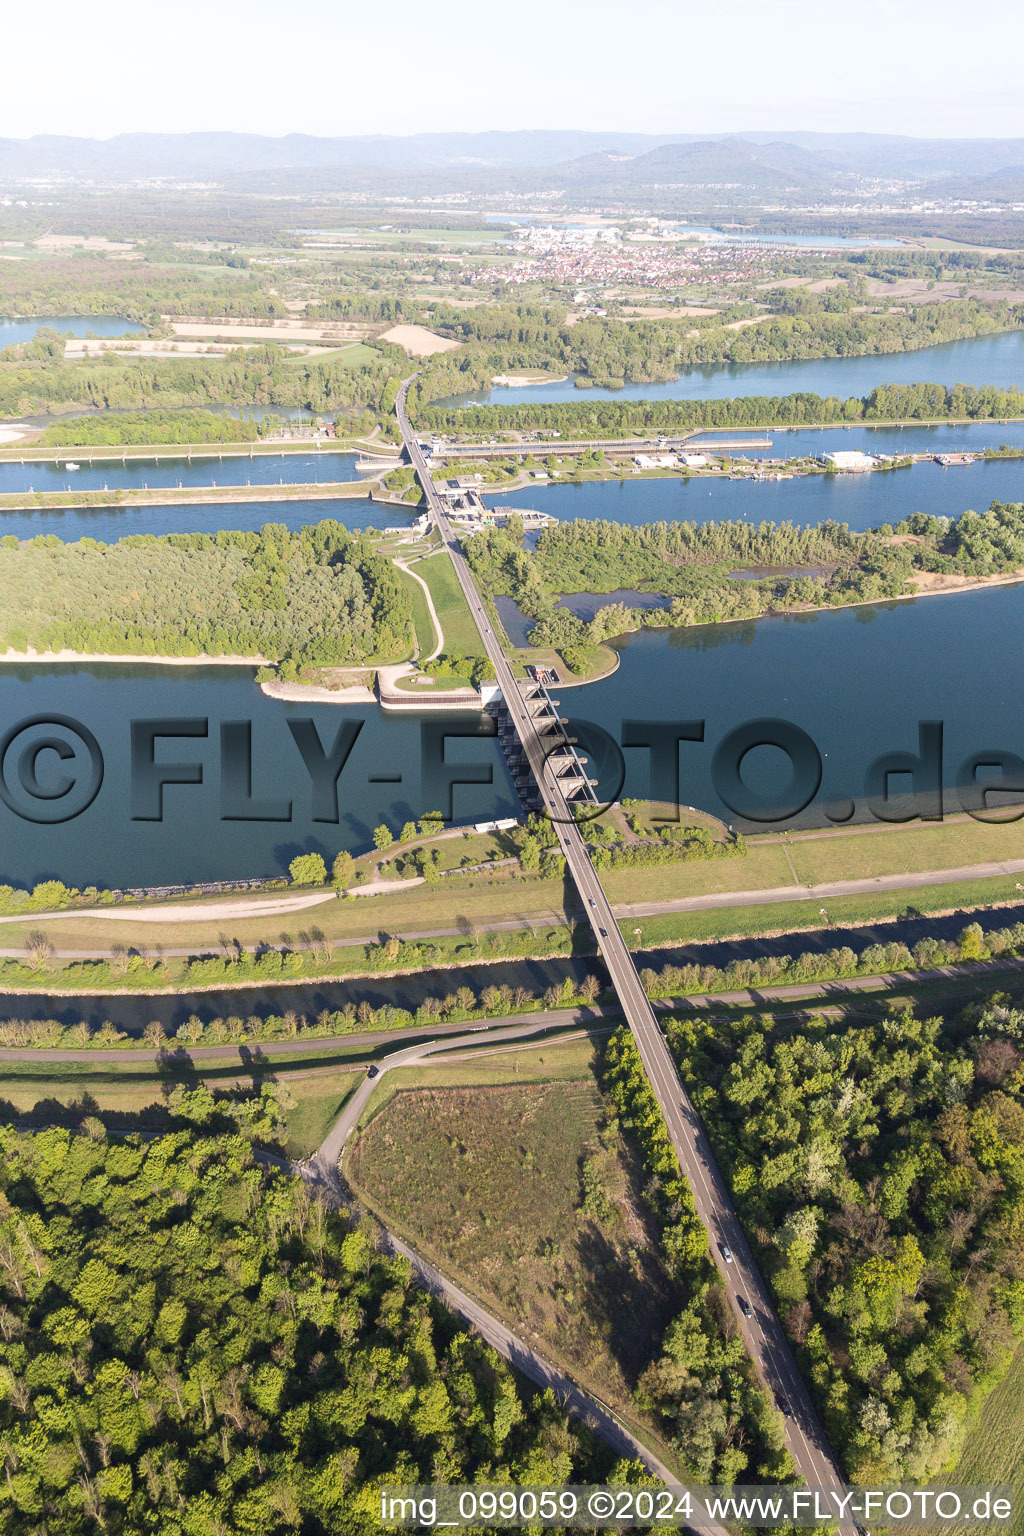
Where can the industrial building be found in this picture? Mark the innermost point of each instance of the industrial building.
(849, 460)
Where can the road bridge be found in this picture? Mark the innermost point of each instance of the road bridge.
(755, 1318)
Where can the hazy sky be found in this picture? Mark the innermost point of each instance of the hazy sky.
(923, 67)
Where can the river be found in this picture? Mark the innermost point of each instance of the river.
(104, 846)
(313, 468)
(12, 331)
(996, 360)
(857, 680)
(861, 500)
(111, 523)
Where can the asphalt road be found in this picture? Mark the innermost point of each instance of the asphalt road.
(762, 1332)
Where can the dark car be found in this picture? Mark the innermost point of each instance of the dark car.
(373, 1072)
(744, 1306)
(783, 1403)
(603, 932)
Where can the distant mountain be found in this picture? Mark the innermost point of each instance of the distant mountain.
(732, 161)
(882, 154)
(547, 157)
(1004, 186)
(205, 155)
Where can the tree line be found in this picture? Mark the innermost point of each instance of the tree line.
(134, 427)
(581, 419)
(250, 376)
(139, 291)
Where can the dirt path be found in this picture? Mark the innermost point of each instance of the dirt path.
(196, 912)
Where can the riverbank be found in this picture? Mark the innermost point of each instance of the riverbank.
(32, 657)
(33, 452)
(321, 693)
(200, 495)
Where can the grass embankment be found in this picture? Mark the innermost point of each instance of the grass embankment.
(481, 1167)
(478, 901)
(858, 853)
(201, 495)
(994, 1451)
(423, 624)
(460, 632)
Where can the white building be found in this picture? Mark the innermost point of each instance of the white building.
(851, 459)
(693, 460)
(654, 460)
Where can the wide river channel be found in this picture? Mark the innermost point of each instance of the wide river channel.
(858, 681)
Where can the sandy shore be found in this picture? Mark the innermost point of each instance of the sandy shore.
(314, 693)
(515, 380)
(154, 661)
(194, 912)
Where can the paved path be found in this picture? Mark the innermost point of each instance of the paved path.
(572, 1397)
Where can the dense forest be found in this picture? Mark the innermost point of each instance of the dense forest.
(606, 351)
(315, 596)
(247, 376)
(140, 291)
(696, 565)
(606, 418)
(132, 427)
(190, 1343)
(879, 1168)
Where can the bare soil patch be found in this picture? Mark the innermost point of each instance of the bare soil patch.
(418, 341)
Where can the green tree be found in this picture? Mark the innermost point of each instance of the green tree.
(343, 870)
(308, 869)
(382, 839)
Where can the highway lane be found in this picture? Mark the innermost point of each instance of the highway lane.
(762, 1332)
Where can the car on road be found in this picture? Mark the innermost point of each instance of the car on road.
(783, 1403)
(744, 1306)
(593, 903)
(603, 932)
(726, 1252)
(373, 1072)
